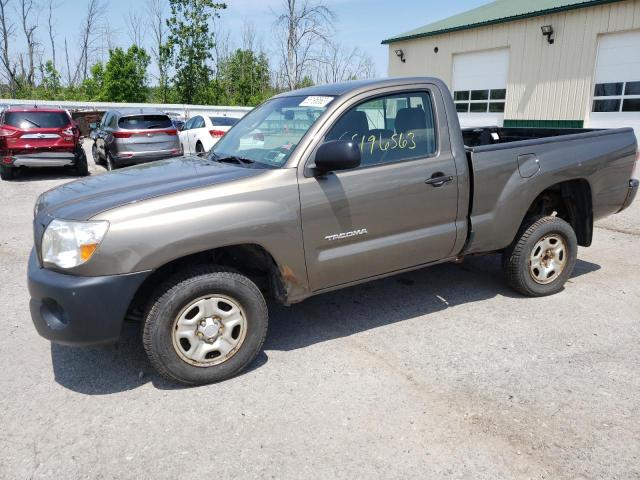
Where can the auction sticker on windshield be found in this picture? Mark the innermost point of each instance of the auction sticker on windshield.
(315, 101)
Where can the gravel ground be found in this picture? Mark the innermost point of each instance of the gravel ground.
(441, 373)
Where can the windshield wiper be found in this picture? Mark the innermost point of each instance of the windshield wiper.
(32, 122)
(233, 159)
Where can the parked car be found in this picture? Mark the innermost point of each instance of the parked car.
(131, 136)
(179, 124)
(382, 181)
(39, 137)
(201, 132)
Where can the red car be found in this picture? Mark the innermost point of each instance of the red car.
(39, 137)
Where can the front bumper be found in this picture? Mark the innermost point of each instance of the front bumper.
(44, 159)
(75, 310)
(631, 193)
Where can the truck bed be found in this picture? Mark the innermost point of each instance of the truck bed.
(477, 137)
(511, 166)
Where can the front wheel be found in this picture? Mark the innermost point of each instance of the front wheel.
(109, 163)
(205, 326)
(542, 257)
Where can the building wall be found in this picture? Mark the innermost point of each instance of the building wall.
(546, 82)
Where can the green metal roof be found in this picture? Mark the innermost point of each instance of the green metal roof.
(499, 11)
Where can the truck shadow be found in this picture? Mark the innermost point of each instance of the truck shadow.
(101, 371)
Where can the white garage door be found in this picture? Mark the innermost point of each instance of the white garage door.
(616, 93)
(480, 86)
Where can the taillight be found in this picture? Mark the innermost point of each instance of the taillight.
(171, 132)
(258, 137)
(217, 133)
(122, 134)
(5, 132)
(68, 132)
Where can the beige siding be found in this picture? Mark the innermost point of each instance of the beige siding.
(546, 82)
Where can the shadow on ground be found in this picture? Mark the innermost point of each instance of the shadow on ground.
(99, 371)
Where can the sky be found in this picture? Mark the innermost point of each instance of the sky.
(360, 23)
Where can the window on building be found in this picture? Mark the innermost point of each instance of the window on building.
(616, 97)
(480, 101)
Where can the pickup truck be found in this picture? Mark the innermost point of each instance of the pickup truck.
(352, 182)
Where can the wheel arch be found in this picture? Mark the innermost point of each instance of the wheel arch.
(249, 259)
(570, 200)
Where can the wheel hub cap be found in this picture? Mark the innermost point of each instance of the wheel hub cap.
(548, 259)
(209, 330)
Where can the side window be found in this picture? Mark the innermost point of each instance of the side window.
(389, 129)
(105, 119)
(113, 120)
(189, 124)
(198, 122)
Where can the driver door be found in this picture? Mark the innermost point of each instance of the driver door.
(383, 216)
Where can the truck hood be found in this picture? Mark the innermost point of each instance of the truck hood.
(83, 199)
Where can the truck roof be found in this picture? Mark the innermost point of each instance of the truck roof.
(358, 86)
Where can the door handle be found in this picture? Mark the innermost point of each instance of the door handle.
(438, 179)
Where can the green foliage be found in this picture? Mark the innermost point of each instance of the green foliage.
(305, 82)
(243, 79)
(92, 87)
(189, 47)
(125, 76)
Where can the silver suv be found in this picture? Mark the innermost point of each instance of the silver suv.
(131, 136)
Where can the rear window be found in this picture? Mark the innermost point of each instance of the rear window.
(28, 120)
(143, 122)
(223, 121)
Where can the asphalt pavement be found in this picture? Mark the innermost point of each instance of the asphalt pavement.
(440, 373)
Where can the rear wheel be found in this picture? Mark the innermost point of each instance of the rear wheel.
(542, 257)
(205, 326)
(6, 172)
(81, 167)
(199, 149)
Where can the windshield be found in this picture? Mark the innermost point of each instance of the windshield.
(145, 122)
(29, 120)
(223, 121)
(268, 134)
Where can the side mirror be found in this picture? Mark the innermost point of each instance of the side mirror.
(180, 127)
(337, 155)
(93, 126)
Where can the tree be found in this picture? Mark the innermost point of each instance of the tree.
(158, 26)
(190, 44)
(244, 78)
(29, 30)
(93, 86)
(125, 75)
(9, 68)
(302, 28)
(338, 64)
(50, 79)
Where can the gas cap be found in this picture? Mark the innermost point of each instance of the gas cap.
(528, 165)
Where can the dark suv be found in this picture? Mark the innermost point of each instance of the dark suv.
(131, 136)
(39, 137)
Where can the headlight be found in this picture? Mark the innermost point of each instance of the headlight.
(68, 244)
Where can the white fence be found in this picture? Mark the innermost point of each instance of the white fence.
(174, 110)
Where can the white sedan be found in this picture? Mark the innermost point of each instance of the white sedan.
(201, 132)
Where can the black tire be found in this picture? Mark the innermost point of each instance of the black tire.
(109, 164)
(199, 149)
(6, 172)
(516, 259)
(178, 293)
(95, 154)
(80, 167)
